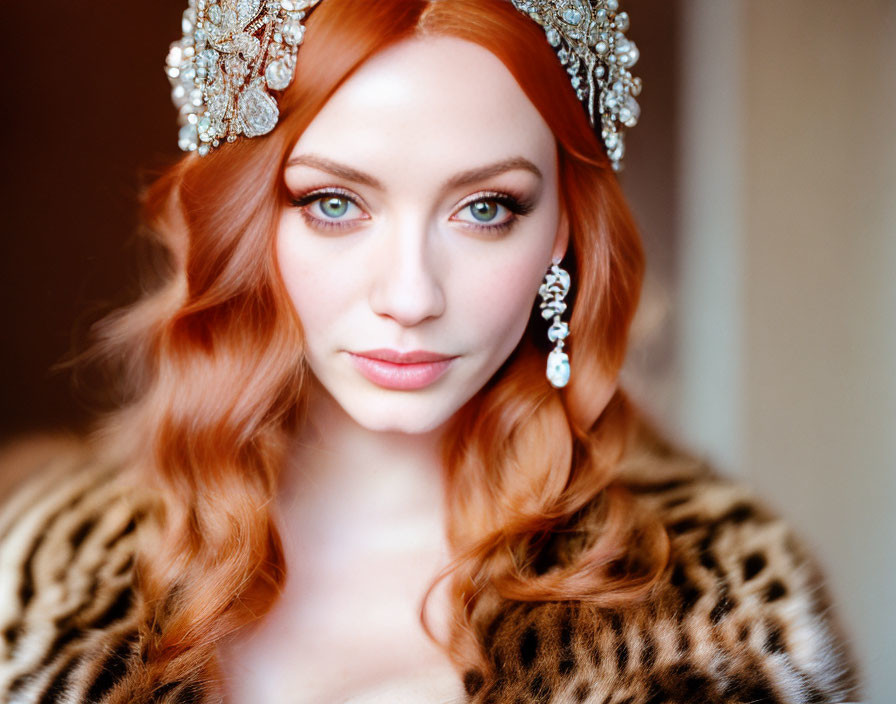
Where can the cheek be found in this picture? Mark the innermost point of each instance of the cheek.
(314, 289)
(502, 288)
(499, 302)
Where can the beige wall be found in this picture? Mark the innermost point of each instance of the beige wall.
(788, 332)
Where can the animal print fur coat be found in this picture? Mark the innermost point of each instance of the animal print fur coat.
(739, 616)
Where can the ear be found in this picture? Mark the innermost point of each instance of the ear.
(561, 241)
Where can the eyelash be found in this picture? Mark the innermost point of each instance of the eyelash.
(518, 207)
(302, 202)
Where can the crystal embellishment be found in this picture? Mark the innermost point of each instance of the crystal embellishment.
(232, 54)
(558, 368)
(558, 331)
(554, 289)
(258, 110)
(572, 16)
(589, 36)
(278, 75)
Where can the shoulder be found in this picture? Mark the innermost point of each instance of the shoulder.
(740, 613)
(68, 531)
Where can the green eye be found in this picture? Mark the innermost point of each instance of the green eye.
(328, 209)
(484, 210)
(491, 211)
(334, 206)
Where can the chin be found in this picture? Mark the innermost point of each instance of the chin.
(408, 423)
(402, 413)
(403, 428)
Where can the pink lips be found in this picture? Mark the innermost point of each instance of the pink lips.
(402, 371)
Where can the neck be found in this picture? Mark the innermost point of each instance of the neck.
(355, 501)
(337, 467)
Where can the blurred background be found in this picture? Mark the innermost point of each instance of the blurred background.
(763, 176)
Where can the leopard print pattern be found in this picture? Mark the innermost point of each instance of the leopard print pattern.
(740, 614)
(69, 613)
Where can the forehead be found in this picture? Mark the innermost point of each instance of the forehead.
(438, 101)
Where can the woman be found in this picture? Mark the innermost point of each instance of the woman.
(343, 399)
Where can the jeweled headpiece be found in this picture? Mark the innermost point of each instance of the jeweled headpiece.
(235, 52)
(589, 36)
(232, 54)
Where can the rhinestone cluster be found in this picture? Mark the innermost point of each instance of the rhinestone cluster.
(553, 291)
(589, 36)
(233, 52)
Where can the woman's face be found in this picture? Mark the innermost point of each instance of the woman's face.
(424, 215)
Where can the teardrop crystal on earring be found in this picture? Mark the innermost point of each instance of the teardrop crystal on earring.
(558, 368)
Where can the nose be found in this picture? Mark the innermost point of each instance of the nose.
(407, 281)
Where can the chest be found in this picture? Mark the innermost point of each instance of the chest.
(347, 623)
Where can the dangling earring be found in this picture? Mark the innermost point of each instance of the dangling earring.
(553, 291)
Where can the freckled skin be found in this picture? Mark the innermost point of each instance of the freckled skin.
(412, 266)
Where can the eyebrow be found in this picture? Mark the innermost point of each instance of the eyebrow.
(334, 167)
(464, 178)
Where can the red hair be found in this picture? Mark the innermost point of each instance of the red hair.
(521, 459)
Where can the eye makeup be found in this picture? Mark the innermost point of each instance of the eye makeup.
(305, 202)
(515, 205)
